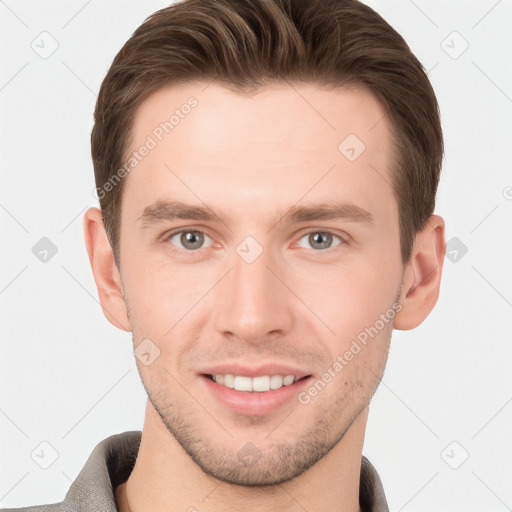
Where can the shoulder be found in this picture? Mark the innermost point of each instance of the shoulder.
(109, 465)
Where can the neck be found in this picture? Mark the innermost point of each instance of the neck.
(166, 479)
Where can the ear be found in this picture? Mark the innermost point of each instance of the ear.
(106, 275)
(422, 275)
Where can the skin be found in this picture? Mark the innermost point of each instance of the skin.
(250, 159)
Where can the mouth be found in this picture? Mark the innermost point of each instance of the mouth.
(259, 384)
(257, 395)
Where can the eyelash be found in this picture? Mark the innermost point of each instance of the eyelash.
(168, 236)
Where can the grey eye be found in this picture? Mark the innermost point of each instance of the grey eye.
(320, 239)
(190, 240)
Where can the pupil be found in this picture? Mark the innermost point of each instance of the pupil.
(323, 239)
(192, 239)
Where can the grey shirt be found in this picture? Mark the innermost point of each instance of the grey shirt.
(113, 459)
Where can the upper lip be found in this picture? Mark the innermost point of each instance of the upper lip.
(255, 370)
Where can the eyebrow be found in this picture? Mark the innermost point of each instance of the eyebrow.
(161, 211)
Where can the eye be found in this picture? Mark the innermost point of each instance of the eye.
(190, 240)
(320, 239)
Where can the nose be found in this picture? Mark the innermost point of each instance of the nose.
(252, 303)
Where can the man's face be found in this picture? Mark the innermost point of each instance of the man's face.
(257, 291)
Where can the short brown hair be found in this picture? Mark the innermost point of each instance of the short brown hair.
(246, 44)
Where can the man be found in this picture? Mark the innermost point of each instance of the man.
(267, 172)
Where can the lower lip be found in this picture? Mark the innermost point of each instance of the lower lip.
(254, 403)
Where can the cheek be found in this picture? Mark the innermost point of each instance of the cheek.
(348, 296)
(160, 295)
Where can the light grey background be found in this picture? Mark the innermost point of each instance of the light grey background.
(68, 378)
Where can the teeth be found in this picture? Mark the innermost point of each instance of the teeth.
(262, 383)
(242, 383)
(276, 382)
(288, 380)
(228, 380)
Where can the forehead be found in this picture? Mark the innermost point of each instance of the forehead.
(290, 113)
(283, 141)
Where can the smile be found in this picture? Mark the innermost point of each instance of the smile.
(259, 384)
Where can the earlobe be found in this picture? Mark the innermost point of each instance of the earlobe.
(422, 276)
(106, 274)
